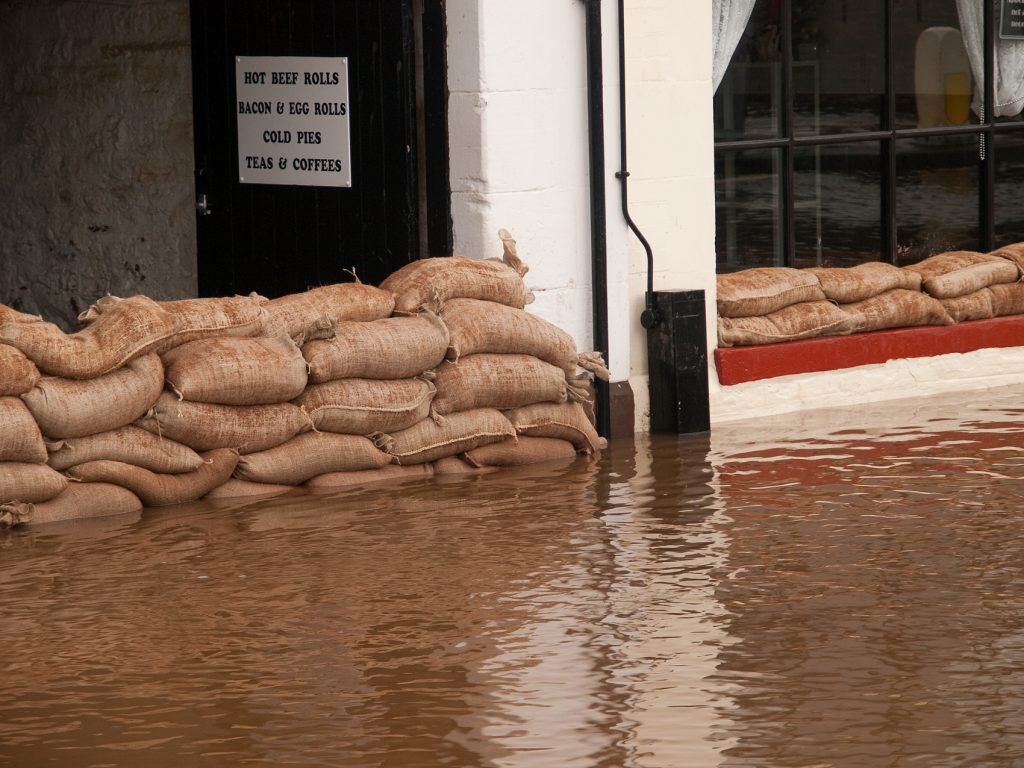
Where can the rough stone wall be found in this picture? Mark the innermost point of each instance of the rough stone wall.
(96, 156)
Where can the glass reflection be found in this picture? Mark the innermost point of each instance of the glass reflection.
(747, 195)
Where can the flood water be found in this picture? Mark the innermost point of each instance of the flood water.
(831, 589)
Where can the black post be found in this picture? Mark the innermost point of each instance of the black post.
(598, 218)
(677, 361)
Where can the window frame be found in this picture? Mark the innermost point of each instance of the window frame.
(787, 143)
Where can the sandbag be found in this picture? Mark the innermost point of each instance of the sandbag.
(956, 273)
(309, 455)
(395, 348)
(564, 421)
(456, 465)
(79, 501)
(846, 285)
(364, 406)
(426, 281)
(20, 481)
(1014, 253)
(20, 439)
(498, 381)
(18, 374)
(476, 326)
(120, 330)
(1007, 299)
(236, 371)
(138, 327)
(807, 320)
(971, 306)
(205, 426)
(392, 473)
(9, 315)
(314, 313)
(74, 408)
(131, 445)
(521, 451)
(898, 308)
(246, 489)
(157, 489)
(763, 290)
(429, 440)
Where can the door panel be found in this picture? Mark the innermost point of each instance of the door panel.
(277, 239)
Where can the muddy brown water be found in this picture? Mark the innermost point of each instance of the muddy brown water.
(841, 588)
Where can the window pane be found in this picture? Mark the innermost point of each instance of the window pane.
(837, 199)
(747, 198)
(838, 66)
(747, 101)
(936, 196)
(931, 70)
(1009, 203)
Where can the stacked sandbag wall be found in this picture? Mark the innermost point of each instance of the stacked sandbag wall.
(777, 304)
(159, 403)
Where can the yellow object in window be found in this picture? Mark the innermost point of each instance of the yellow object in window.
(958, 97)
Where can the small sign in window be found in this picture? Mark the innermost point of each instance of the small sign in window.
(1011, 26)
(293, 120)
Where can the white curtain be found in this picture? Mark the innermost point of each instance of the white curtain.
(728, 20)
(1009, 60)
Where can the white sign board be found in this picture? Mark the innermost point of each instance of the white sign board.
(293, 125)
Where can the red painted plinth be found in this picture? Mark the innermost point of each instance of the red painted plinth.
(738, 364)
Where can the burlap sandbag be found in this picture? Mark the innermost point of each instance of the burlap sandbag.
(156, 489)
(763, 290)
(20, 481)
(18, 374)
(79, 501)
(309, 455)
(499, 381)
(846, 285)
(314, 313)
(364, 406)
(971, 306)
(20, 439)
(1007, 299)
(898, 308)
(9, 315)
(1014, 253)
(392, 473)
(957, 273)
(204, 426)
(131, 445)
(426, 281)
(456, 465)
(429, 440)
(74, 408)
(395, 348)
(235, 488)
(478, 326)
(120, 330)
(521, 451)
(807, 320)
(235, 371)
(564, 421)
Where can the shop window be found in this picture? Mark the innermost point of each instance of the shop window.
(851, 131)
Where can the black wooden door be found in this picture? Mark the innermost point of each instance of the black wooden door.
(277, 239)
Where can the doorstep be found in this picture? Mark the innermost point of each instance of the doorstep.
(736, 365)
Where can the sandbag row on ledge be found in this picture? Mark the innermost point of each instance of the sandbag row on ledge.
(152, 403)
(774, 304)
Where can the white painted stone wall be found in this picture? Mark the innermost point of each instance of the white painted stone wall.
(519, 154)
(96, 156)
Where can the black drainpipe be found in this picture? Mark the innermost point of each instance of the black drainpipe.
(651, 316)
(598, 220)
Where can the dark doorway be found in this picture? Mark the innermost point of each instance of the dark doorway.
(278, 239)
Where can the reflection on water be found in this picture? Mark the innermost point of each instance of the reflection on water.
(838, 589)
